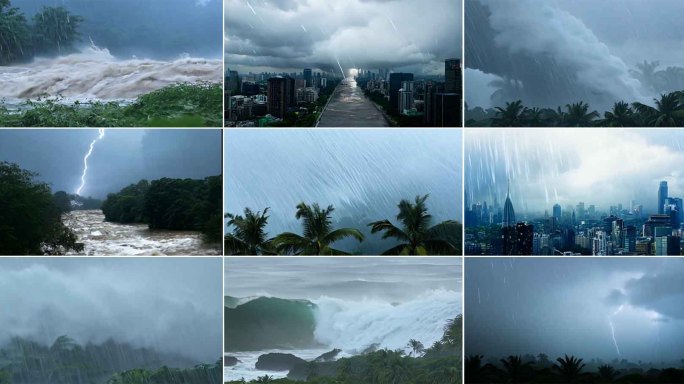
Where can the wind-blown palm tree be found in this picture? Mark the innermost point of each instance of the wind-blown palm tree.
(515, 368)
(622, 115)
(319, 234)
(249, 236)
(569, 367)
(513, 115)
(416, 235)
(607, 373)
(416, 347)
(668, 112)
(578, 115)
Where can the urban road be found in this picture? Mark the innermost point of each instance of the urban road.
(348, 107)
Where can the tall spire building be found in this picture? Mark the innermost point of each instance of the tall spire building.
(508, 213)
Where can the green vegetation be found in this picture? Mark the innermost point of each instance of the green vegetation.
(24, 361)
(53, 31)
(566, 369)
(178, 105)
(176, 204)
(667, 111)
(200, 374)
(415, 237)
(439, 364)
(30, 218)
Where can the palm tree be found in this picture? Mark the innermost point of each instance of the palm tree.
(264, 379)
(416, 347)
(249, 235)
(319, 234)
(622, 115)
(569, 367)
(578, 115)
(510, 116)
(515, 368)
(534, 117)
(669, 111)
(416, 235)
(473, 368)
(607, 373)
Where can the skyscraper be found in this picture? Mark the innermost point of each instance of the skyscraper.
(509, 213)
(395, 85)
(557, 213)
(281, 95)
(662, 195)
(452, 73)
(307, 77)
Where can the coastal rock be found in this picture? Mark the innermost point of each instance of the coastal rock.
(277, 362)
(229, 361)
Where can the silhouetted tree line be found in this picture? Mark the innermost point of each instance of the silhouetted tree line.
(438, 364)
(566, 369)
(176, 204)
(415, 234)
(23, 361)
(52, 31)
(667, 111)
(31, 216)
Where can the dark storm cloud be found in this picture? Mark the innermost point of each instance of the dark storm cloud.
(562, 306)
(565, 51)
(122, 157)
(364, 34)
(660, 292)
(172, 304)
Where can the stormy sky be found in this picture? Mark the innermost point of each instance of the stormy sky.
(563, 51)
(158, 29)
(122, 157)
(364, 174)
(289, 35)
(562, 306)
(596, 166)
(172, 304)
(386, 278)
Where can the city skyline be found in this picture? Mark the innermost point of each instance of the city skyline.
(287, 36)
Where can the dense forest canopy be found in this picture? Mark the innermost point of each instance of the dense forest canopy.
(177, 204)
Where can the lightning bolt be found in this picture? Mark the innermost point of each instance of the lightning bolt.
(85, 159)
(612, 329)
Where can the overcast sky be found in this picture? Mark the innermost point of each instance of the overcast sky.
(172, 304)
(385, 278)
(364, 172)
(562, 306)
(289, 35)
(596, 166)
(122, 157)
(569, 50)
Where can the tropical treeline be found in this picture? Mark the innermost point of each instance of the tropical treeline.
(176, 204)
(178, 105)
(52, 31)
(440, 363)
(23, 361)
(666, 111)
(566, 369)
(415, 234)
(31, 216)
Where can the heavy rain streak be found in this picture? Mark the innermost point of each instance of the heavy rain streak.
(625, 312)
(128, 303)
(364, 174)
(596, 166)
(552, 53)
